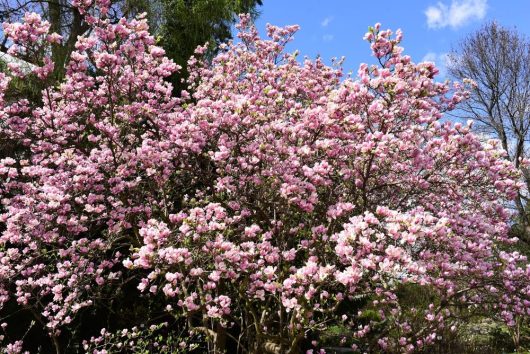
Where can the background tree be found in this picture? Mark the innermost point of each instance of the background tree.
(497, 59)
(189, 23)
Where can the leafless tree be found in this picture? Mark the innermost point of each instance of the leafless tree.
(497, 59)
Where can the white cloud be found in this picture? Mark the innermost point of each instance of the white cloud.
(455, 15)
(431, 56)
(328, 37)
(441, 60)
(325, 22)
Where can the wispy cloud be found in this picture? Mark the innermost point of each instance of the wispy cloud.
(325, 22)
(441, 60)
(457, 14)
(328, 37)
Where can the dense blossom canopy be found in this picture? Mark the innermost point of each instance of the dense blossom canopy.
(279, 198)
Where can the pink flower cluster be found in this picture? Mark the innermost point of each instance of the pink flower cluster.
(276, 192)
(30, 39)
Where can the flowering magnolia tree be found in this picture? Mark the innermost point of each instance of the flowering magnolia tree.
(280, 198)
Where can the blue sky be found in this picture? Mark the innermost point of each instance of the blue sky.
(334, 28)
